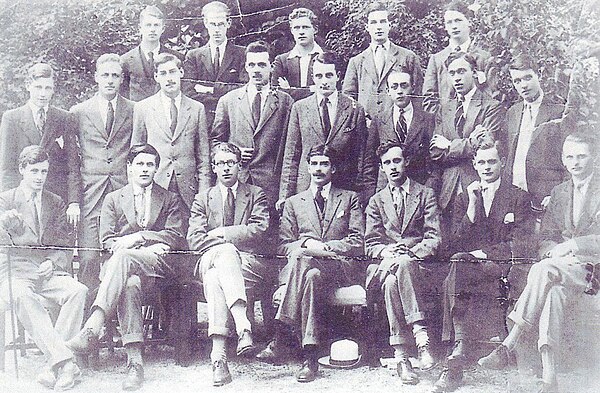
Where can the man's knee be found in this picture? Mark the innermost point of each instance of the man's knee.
(313, 275)
(546, 268)
(389, 282)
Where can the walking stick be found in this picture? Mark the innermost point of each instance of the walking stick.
(13, 313)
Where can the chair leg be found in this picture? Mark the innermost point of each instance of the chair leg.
(2, 339)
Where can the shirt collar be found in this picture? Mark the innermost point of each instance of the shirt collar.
(325, 192)
(464, 47)
(386, 46)
(407, 110)
(295, 52)
(333, 97)
(221, 47)
(405, 187)
(104, 102)
(493, 186)
(583, 183)
(167, 100)
(137, 190)
(35, 108)
(29, 192)
(537, 102)
(467, 97)
(251, 89)
(223, 188)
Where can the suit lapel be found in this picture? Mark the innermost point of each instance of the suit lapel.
(568, 198)
(411, 204)
(472, 113)
(311, 210)
(415, 125)
(157, 199)
(45, 217)
(293, 66)
(159, 114)
(390, 209)
(120, 117)
(369, 65)
(314, 114)
(127, 204)
(145, 65)
(390, 61)
(267, 111)
(28, 125)
(244, 106)
(344, 109)
(227, 60)
(215, 206)
(332, 207)
(26, 209)
(183, 116)
(93, 114)
(206, 59)
(591, 205)
(242, 200)
(542, 117)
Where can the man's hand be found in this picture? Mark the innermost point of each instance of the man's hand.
(247, 153)
(283, 82)
(563, 249)
(73, 214)
(45, 269)
(279, 205)
(127, 242)
(316, 245)
(204, 89)
(388, 264)
(159, 249)
(11, 219)
(479, 254)
(479, 134)
(217, 232)
(278, 295)
(439, 142)
(473, 192)
(545, 202)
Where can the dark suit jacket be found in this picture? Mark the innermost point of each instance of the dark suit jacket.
(18, 130)
(289, 68)
(233, 123)
(250, 225)
(497, 235)
(54, 231)
(557, 222)
(416, 145)
(138, 74)
(543, 164)
(348, 136)
(455, 163)
(198, 69)
(103, 156)
(420, 226)
(364, 84)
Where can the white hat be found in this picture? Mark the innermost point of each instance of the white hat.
(343, 354)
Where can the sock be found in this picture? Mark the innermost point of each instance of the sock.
(400, 352)
(548, 365)
(134, 353)
(510, 342)
(310, 352)
(218, 351)
(238, 312)
(96, 320)
(420, 334)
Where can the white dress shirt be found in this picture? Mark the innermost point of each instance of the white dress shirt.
(324, 192)
(466, 101)
(407, 112)
(137, 190)
(304, 61)
(530, 112)
(252, 91)
(223, 190)
(103, 107)
(213, 51)
(166, 103)
(488, 191)
(331, 105)
(579, 192)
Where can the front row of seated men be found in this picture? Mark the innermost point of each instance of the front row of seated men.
(322, 229)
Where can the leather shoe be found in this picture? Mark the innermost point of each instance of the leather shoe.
(221, 375)
(457, 358)
(425, 359)
(545, 387)
(245, 345)
(498, 359)
(47, 378)
(67, 376)
(85, 341)
(272, 353)
(406, 373)
(135, 377)
(308, 371)
(448, 381)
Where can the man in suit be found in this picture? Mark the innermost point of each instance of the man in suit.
(403, 228)
(461, 124)
(321, 229)
(228, 225)
(105, 123)
(32, 216)
(404, 122)
(39, 123)
(217, 67)
(569, 241)
(255, 118)
(533, 139)
(437, 87)
(332, 119)
(138, 63)
(367, 71)
(176, 126)
(497, 225)
(292, 70)
(139, 224)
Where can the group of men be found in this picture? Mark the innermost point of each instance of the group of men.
(371, 169)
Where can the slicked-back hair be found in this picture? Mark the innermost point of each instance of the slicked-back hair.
(225, 147)
(328, 57)
(586, 136)
(399, 69)
(215, 7)
(136, 150)
(459, 6)
(32, 154)
(386, 146)
(163, 58)
(323, 150)
(488, 143)
(298, 13)
(152, 10)
(108, 58)
(524, 62)
(259, 47)
(39, 70)
(464, 55)
(376, 6)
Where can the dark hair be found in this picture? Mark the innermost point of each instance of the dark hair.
(136, 150)
(32, 155)
(399, 69)
(384, 147)
(587, 136)
(464, 55)
(39, 70)
(523, 62)
(162, 58)
(459, 6)
(489, 143)
(323, 150)
(298, 13)
(259, 47)
(328, 57)
(376, 6)
(225, 147)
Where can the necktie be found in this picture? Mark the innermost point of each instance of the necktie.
(399, 203)
(325, 117)
(110, 118)
(256, 104)
(151, 61)
(401, 128)
(140, 208)
(41, 119)
(379, 59)
(459, 117)
(457, 49)
(217, 61)
(173, 115)
(36, 216)
(485, 190)
(228, 209)
(578, 207)
(320, 201)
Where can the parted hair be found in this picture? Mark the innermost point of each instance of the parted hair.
(523, 62)
(304, 13)
(587, 135)
(32, 155)
(152, 10)
(108, 58)
(488, 143)
(459, 6)
(323, 150)
(162, 58)
(464, 55)
(399, 69)
(328, 57)
(259, 47)
(384, 147)
(215, 7)
(136, 150)
(39, 70)
(225, 147)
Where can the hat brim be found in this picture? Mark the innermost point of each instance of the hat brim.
(326, 362)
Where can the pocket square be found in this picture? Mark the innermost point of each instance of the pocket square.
(233, 71)
(60, 141)
(340, 214)
(509, 218)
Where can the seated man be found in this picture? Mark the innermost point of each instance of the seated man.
(139, 224)
(32, 216)
(319, 228)
(403, 227)
(227, 225)
(498, 224)
(570, 240)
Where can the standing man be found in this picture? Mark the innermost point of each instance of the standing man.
(176, 126)
(105, 123)
(39, 123)
(403, 228)
(332, 119)
(569, 246)
(228, 225)
(437, 87)
(535, 145)
(367, 72)
(32, 216)
(139, 224)
(138, 63)
(292, 70)
(217, 67)
(319, 228)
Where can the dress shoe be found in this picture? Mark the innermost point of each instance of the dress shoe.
(221, 375)
(308, 371)
(425, 359)
(448, 381)
(85, 341)
(135, 377)
(498, 359)
(406, 373)
(47, 378)
(245, 345)
(67, 376)
(545, 387)
(273, 353)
